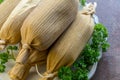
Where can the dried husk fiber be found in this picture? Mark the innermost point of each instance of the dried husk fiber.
(20, 71)
(68, 47)
(10, 31)
(6, 8)
(46, 23)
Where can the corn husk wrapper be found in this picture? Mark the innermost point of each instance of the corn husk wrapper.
(20, 71)
(22, 57)
(6, 8)
(10, 31)
(46, 23)
(68, 47)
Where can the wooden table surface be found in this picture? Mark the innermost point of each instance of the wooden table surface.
(109, 14)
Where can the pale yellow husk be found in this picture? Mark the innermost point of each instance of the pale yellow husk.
(20, 71)
(41, 29)
(69, 46)
(10, 31)
(6, 8)
(47, 22)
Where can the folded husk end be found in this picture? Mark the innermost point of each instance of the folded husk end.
(19, 71)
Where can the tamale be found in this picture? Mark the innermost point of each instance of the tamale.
(10, 31)
(69, 46)
(6, 8)
(20, 71)
(46, 23)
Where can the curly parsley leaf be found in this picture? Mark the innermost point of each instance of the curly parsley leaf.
(1, 1)
(65, 73)
(5, 56)
(2, 68)
(83, 2)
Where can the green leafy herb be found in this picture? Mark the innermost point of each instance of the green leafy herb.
(65, 73)
(2, 68)
(79, 70)
(5, 56)
(83, 2)
(1, 1)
